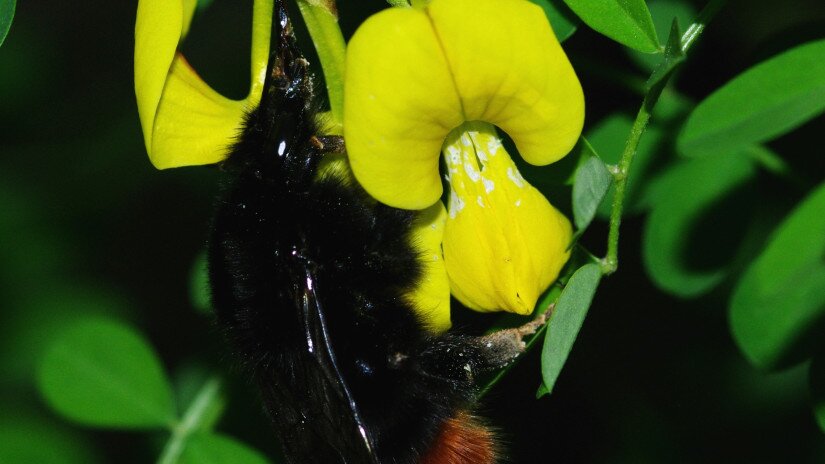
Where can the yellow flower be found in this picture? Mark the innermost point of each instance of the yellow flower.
(422, 81)
(185, 122)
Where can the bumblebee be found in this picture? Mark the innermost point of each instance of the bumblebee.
(308, 275)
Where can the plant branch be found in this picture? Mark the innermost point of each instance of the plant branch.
(191, 421)
(610, 262)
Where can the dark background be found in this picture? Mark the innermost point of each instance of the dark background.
(87, 226)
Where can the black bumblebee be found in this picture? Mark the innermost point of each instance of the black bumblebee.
(308, 276)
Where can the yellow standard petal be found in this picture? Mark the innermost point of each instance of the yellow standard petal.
(415, 74)
(185, 122)
(399, 103)
(431, 298)
(504, 243)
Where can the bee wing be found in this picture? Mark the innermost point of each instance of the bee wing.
(321, 424)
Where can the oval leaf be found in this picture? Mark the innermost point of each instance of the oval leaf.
(625, 21)
(591, 184)
(100, 372)
(782, 294)
(566, 321)
(680, 198)
(563, 21)
(764, 102)
(211, 448)
(42, 441)
(7, 8)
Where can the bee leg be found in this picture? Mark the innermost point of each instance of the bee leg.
(459, 358)
(502, 347)
(328, 143)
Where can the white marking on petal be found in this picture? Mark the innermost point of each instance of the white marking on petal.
(454, 157)
(493, 145)
(518, 202)
(471, 171)
(489, 185)
(480, 201)
(515, 176)
(465, 140)
(456, 204)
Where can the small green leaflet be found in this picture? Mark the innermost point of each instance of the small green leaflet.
(7, 8)
(760, 104)
(101, 372)
(568, 317)
(591, 183)
(625, 21)
(781, 296)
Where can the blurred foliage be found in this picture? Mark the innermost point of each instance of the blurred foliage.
(707, 343)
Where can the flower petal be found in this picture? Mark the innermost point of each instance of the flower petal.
(399, 104)
(432, 297)
(511, 71)
(504, 243)
(194, 124)
(158, 30)
(414, 74)
(185, 122)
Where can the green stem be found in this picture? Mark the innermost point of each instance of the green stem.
(321, 18)
(610, 262)
(695, 30)
(191, 421)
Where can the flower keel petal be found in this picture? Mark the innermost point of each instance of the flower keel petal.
(504, 243)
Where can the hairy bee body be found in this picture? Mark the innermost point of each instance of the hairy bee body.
(309, 277)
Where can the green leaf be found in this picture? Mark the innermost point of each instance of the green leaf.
(199, 293)
(663, 13)
(760, 104)
(589, 188)
(7, 8)
(563, 21)
(568, 317)
(681, 198)
(625, 21)
(816, 377)
(211, 448)
(781, 296)
(608, 139)
(541, 391)
(100, 372)
(34, 440)
(32, 323)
